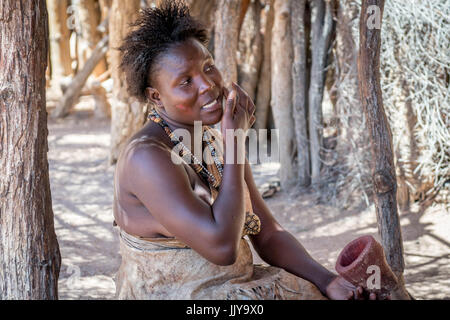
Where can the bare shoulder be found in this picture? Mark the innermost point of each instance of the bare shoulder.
(149, 157)
(149, 143)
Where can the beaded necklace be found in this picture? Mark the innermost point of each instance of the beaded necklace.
(252, 224)
(197, 164)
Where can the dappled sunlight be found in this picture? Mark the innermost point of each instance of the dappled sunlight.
(102, 140)
(87, 287)
(81, 182)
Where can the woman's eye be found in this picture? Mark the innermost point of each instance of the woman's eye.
(187, 81)
(210, 67)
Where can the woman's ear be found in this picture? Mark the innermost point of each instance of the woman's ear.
(153, 96)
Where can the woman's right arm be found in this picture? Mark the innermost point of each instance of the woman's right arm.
(164, 188)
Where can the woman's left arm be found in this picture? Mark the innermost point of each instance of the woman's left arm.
(278, 247)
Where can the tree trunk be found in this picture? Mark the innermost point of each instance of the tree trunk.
(282, 59)
(300, 78)
(353, 147)
(263, 88)
(73, 91)
(383, 168)
(127, 113)
(102, 107)
(242, 13)
(406, 149)
(105, 7)
(59, 40)
(90, 19)
(346, 74)
(322, 30)
(226, 39)
(250, 49)
(205, 12)
(29, 251)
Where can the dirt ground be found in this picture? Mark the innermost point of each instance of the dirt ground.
(82, 193)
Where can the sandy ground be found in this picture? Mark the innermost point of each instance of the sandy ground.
(82, 193)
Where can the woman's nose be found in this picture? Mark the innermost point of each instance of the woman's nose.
(206, 84)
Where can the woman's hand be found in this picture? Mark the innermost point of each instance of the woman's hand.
(341, 289)
(239, 110)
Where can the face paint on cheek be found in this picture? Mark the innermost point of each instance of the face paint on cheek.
(181, 107)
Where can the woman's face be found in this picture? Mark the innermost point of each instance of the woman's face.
(186, 80)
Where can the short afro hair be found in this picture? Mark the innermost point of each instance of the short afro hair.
(158, 28)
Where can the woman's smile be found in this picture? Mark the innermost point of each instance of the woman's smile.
(213, 106)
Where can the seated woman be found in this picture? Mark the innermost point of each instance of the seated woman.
(182, 223)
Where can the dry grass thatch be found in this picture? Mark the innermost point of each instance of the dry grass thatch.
(415, 62)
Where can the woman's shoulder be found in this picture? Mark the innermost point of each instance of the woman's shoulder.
(146, 160)
(146, 144)
(148, 140)
(146, 157)
(146, 152)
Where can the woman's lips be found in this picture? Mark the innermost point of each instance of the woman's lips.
(212, 107)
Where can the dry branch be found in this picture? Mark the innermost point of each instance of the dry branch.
(383, 168)
(414, 62)
(74, 89)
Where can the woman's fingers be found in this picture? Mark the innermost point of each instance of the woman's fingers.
(359, 293)
(350, 295)
(239, 99)
(225, 92)
(228, 91)
(230, 103)
(251, 107)
(242, 96)
(243, 103)
(243, 100)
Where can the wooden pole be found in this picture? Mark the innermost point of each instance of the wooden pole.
(300, 82)
(322, 33)
(251, 50)
(30, 259)
(242, 12)
(226, 37)
(263, 89)
(128, 115)
(383, 168)
(59, 39)
(90, 18)
(281, 91)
